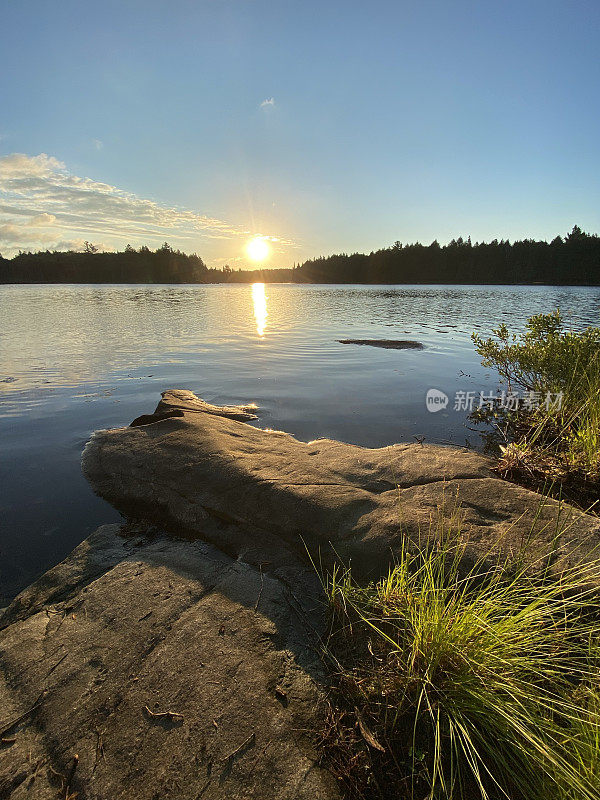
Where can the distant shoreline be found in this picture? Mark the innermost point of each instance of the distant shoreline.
(572, 260)
(288, 283)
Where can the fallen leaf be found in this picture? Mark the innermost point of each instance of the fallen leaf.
(366, 733)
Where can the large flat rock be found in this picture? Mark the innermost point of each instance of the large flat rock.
(335, 499)
(128, 623)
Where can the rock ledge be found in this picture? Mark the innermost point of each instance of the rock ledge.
(177, 655)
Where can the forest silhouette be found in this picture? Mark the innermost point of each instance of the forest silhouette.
(570, 260)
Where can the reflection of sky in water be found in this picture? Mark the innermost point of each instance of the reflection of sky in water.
(77, 358)
(72, 336)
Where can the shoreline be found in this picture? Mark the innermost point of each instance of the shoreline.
(296, 283)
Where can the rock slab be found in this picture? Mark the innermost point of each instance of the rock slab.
(336, 500)
(170, 669)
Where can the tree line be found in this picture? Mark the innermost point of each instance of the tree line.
(164, 265)
(573, 259)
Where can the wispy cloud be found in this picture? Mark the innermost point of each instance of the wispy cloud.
(43, 205)
(98, 144)
(268, 103)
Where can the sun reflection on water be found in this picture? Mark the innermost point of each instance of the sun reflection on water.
(259, 299)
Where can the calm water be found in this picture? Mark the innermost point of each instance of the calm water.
(77, 358)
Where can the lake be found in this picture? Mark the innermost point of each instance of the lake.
(76, 358)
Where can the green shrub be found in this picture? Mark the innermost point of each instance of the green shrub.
(544, 358)
(547, 358)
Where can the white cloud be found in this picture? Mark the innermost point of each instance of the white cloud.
(41, 220)
(19, 236)
(42, 204)
(27, 231)
(269, 102)
(98, 144)
(18, 165)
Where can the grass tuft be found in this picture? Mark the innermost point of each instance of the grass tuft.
(478, 685)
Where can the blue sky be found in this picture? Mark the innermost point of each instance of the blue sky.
(387, 120)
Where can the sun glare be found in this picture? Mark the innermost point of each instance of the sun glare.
(259, 300)
(258, 249)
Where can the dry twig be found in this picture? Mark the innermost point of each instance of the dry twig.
(172, 715)
(242, 747)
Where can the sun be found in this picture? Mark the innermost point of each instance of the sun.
(258, 248)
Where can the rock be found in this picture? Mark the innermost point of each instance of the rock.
(387, 344)
(178, 656)
(175, 402)
(337, 500)
(180, 399)
(161, 665)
